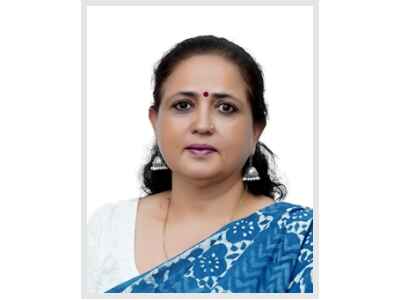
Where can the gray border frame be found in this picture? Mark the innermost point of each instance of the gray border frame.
(199, 2)
(84, 4)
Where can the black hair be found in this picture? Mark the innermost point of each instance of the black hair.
(263, 158)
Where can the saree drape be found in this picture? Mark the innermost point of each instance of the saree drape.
(269, 251)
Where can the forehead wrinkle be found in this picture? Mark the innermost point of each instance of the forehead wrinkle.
(212, 95)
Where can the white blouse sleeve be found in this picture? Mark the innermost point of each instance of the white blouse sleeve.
(97, 230)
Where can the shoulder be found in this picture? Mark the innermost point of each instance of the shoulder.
(108, 242)
(153, 199)
(106, 213)
(295, 220)
(153, 206)
(298, 212)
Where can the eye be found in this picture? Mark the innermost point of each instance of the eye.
(181, 105)
(227, 108)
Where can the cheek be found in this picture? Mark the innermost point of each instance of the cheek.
(237, 143)
(238, 134)
(171, 127)
(169, 135)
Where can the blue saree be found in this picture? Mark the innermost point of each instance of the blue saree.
(269, 251)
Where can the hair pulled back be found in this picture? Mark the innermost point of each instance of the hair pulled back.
(263, 159)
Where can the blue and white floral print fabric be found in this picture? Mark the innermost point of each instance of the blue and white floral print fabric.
(269, 251)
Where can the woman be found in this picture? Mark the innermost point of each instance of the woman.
(212, 221)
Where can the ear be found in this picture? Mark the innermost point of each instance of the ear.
(153, 117)
(258, 128)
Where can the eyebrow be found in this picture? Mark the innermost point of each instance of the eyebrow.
(196, 95)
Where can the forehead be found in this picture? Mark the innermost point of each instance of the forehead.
(201, 73)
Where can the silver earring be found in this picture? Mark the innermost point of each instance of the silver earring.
(251, 173)
(158, 163)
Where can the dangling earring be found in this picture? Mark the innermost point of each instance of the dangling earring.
(158, 163)
(251, 173)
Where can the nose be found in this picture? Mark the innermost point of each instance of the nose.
(203, 123)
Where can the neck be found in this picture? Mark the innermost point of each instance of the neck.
(212, 202)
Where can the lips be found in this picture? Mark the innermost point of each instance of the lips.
(201, 147)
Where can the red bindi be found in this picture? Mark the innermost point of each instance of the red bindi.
(205, 94)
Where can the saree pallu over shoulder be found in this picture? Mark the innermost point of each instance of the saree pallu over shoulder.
(269, 251)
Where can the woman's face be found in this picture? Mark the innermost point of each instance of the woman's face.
(197, 118)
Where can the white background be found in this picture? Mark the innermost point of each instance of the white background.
(123, 51)
(40, 222)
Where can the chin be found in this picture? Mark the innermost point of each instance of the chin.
(204, 177)
(199, 174)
